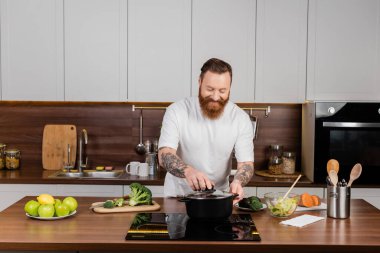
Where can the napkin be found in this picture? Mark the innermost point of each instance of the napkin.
(302, 220)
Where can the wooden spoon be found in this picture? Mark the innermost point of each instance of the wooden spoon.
(291, 187)
(355, 173)
(333, 177)
(332, 164)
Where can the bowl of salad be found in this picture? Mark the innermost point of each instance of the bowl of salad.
(279, 206)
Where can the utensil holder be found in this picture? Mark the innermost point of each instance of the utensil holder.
(338, 202)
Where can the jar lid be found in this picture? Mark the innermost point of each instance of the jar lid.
(289, 154)
(12, 151)
(275, 160)
(276, 146)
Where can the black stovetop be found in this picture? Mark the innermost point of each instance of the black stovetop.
(178, 226)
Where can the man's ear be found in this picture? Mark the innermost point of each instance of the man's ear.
(199, 81)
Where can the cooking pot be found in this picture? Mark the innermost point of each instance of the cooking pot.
(216, 205)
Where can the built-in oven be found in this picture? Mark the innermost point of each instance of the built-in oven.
(347, 132)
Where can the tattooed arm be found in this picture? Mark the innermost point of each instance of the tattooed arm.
(242, 177)
(173, 164)
(169, 160)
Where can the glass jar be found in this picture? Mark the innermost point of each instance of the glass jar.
(275, 166)
(2, 155)
(12, 159)
(275, 151)
(289, 162)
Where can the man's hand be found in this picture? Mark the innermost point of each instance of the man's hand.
(242, 177)
(235, 187)
(197, 180)
(169, 160)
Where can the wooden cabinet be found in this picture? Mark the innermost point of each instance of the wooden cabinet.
(159, 50)
(31, 50)
(344, 50)
(281, 51)
(95, 50)
(225, 29)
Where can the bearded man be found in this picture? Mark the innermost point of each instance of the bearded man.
(198, 136)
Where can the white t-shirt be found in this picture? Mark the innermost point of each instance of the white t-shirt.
(205, 144)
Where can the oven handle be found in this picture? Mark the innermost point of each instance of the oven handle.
(350, 124)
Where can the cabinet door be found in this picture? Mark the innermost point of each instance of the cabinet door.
(225, 29)
(157, 190)
(11, 193)
(159, 36)
(95, 50)
(344, 50)
(371, 195)
(281, 51)
(31, 49)
(90, 190)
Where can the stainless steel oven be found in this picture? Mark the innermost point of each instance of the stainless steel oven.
(347, 132)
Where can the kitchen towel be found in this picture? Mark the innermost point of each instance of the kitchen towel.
(302, 220)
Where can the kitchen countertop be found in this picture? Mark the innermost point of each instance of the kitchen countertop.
(89, 231)
(40, 176)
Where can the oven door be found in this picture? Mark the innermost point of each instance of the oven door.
(349, 143)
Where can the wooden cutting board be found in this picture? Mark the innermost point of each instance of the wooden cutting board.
(122, 209)
(54, 145)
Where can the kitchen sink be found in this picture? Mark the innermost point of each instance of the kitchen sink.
(88, 174)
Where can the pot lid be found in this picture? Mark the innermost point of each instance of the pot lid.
(215, 194)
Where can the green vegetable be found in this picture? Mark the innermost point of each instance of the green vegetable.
(252, 202)
(140, 195)
(109, 204)
(284, 207)
(255, 203)
(119, 202)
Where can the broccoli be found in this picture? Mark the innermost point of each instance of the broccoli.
(114, 203)
(119, 202)
(109, 204)
(252, 202)
(140, 195)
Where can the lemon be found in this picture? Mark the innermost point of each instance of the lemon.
(46, 199)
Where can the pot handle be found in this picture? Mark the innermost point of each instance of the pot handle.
(184, 199)
(235, 195)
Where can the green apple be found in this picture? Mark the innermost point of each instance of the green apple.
(46, 210)
(31, 207)
(62, 210)
(57, 202)
(71, 203)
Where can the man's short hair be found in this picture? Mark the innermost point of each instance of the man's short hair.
(215, 65)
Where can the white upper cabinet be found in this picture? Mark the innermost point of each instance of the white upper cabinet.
(225, 29)
(95, 50)
(344, 50)
(281, 43)
(32, 50)
(159, 50)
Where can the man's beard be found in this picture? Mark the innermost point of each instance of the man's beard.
(210, 108)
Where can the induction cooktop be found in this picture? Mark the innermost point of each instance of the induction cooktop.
(178, 226)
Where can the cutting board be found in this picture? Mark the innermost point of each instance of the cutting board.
(54, 145)
(122, 209)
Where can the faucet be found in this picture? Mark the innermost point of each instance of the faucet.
(83, 138)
